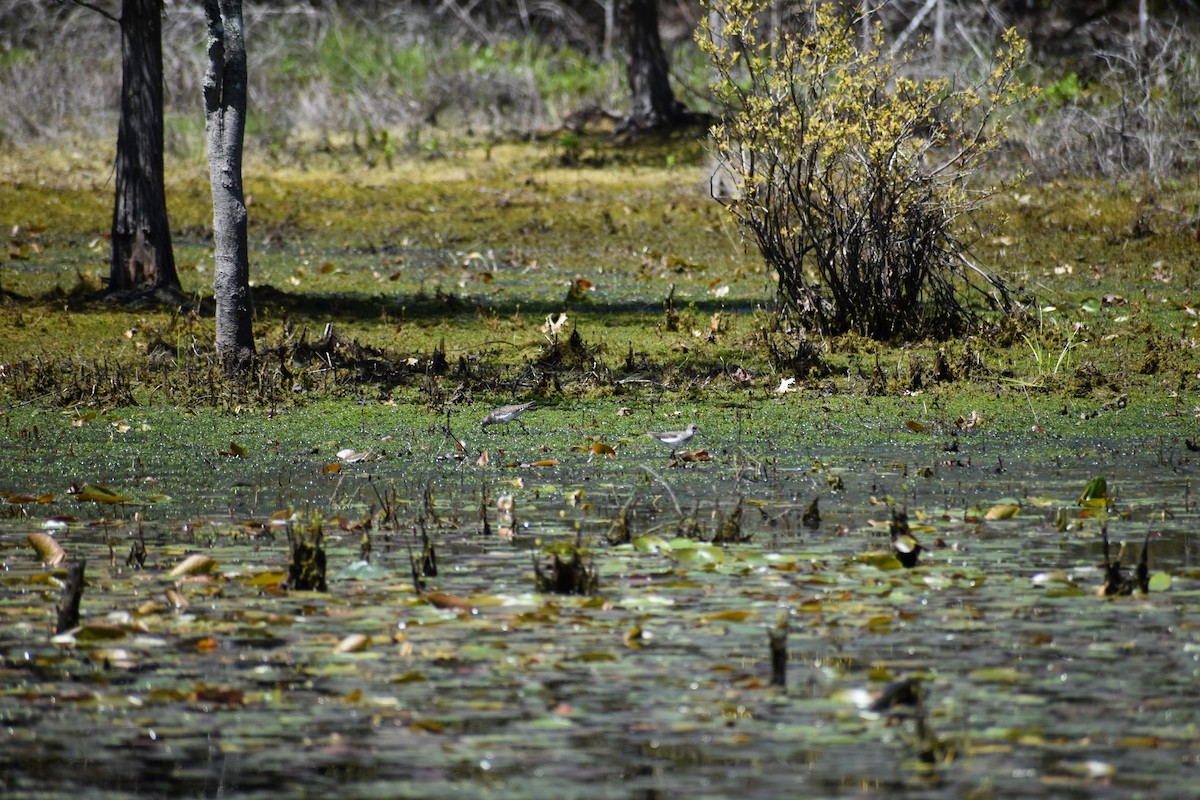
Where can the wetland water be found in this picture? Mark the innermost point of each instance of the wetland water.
(657, 686)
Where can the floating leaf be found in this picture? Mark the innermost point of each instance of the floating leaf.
(354, 643)
(545, 462)
(410, 677)
(176, 599)
(195, 564)
(880, 559)
(100, 632)
(730, 615)
(1095, 494)
(1002, 511)
(1160, 582)
(651, 544)
(99, 494)
(270, 578)
(444, 600)
(686, 551)
(914, 426)
(602, 449)
(47, 548)
(212, 694)
(235, 450)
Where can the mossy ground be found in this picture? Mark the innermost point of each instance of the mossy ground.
(438, 276)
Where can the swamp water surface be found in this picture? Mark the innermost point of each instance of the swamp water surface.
(656, 686)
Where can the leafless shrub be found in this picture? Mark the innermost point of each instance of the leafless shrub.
(1139, 115)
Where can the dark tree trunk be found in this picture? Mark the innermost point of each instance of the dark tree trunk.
(225, 126)
(142, 258)
(652, 102)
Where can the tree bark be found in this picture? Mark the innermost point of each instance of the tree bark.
(142, 258)
(225, 127)
(652, 102)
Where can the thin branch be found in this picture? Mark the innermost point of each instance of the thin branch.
(97, 9)
(666, 486)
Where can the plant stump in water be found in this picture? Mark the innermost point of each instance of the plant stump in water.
(570, 575)
(72, 594)
(306, 572)
(777, 636)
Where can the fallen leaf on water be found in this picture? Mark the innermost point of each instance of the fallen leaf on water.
(914, 426)
(354, 643)
(47, 548)
(731, 615)
(176, 599)
(444, 600)
(602, 449)
(1002, 511)
(270, 578)
(195, 564)
(98, 494)
(1160, 582)
(545, 462)
(235, 450)
(212, 694)
(100, 632)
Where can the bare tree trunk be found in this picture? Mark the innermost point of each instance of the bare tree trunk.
(225, 125)
(142, 258)
(653, 103)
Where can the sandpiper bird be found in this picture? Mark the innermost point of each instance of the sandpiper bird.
(674, 437)
(506, 414)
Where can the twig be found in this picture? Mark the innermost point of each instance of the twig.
(666, 486)
(97, 9)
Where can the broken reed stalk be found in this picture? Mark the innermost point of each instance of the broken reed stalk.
(485, 527)
(777, 637)
(72, 595)
(428, 562)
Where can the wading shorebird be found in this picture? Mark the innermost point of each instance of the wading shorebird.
(506, 414)
(674, 438)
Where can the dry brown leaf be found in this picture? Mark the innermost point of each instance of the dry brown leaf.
(195, 564)
(48, 549)
(444, 600)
